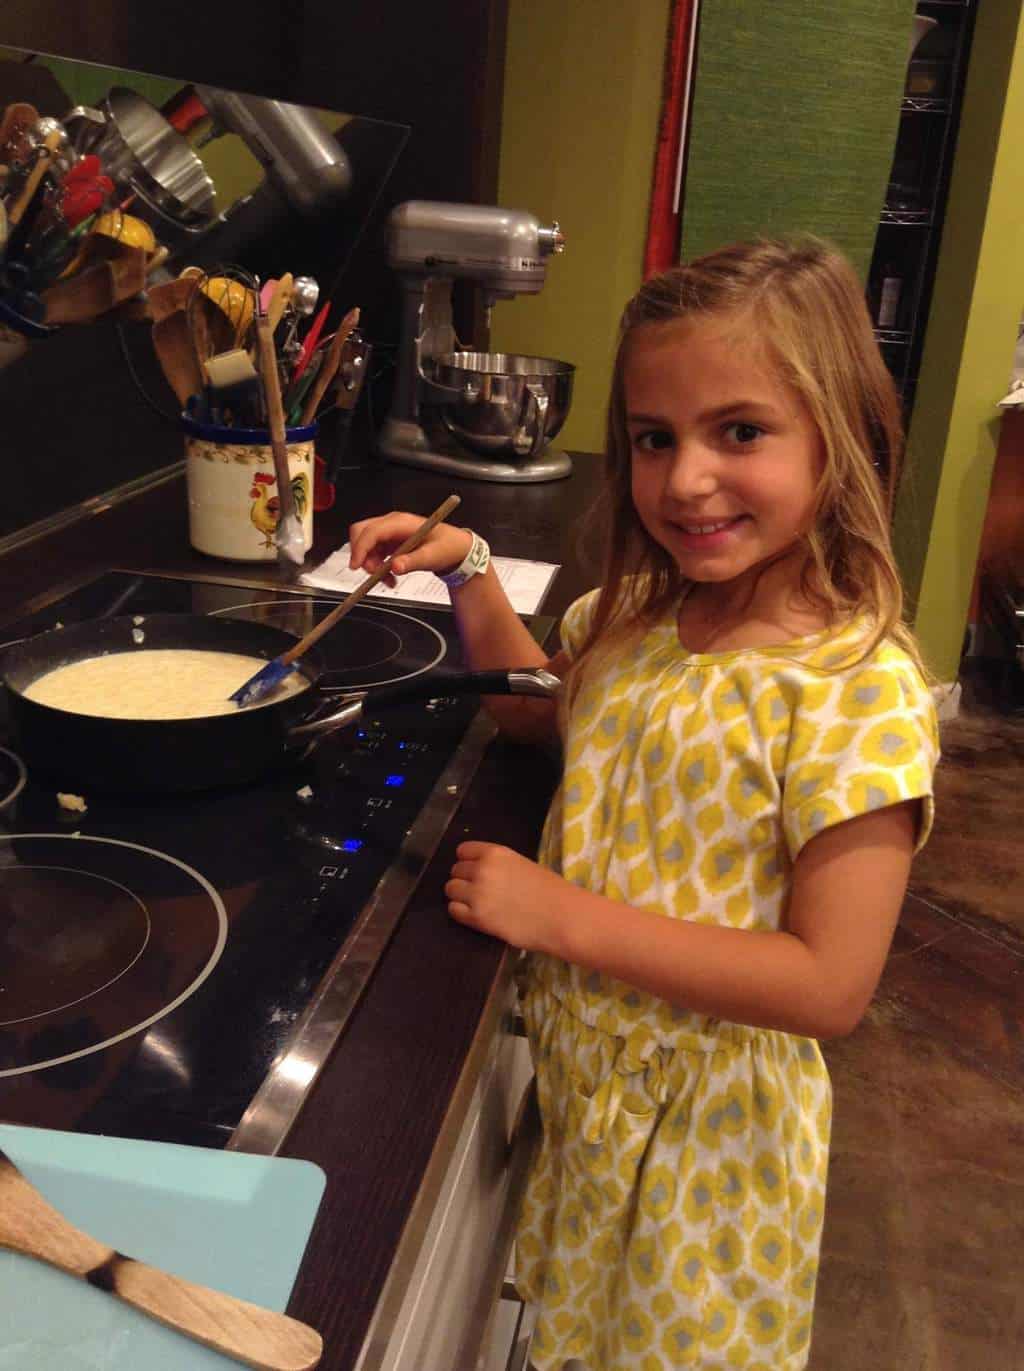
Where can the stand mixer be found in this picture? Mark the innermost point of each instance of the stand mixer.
(484, 415)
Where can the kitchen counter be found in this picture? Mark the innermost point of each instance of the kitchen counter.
(392, 1096)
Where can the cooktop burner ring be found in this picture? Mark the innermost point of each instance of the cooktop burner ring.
(13, 777)
(212, 954)
(123, 971)
(435, 639)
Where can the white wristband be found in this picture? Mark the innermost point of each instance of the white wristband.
(477, 559)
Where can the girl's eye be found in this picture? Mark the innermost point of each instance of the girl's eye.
(743, 434)
(652, 440)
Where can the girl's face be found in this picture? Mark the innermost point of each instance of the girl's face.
(725, 455)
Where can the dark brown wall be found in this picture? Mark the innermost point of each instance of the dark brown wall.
(435, 67)
(1001, 553)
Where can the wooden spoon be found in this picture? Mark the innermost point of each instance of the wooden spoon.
(172, 342)
(15, 123)
(92, 292)
(329, 367)
(169, 296)
(271, 675)
(252, 1335)
(44, 157)
(291, 543)
(212, 331)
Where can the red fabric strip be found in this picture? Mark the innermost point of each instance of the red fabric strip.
(662, 247)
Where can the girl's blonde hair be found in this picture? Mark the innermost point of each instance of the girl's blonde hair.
(800, 300)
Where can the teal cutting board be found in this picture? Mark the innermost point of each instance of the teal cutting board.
(236, 1222)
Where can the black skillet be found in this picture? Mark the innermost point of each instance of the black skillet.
(87, 751)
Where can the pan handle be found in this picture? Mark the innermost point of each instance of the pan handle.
(534, 681)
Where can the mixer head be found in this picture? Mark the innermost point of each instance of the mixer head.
(503, 250)
(483, 415)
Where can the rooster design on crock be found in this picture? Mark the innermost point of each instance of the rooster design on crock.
(265, 510)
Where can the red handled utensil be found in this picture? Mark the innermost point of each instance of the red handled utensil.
(324, 493)
(329, 367)
(274, 672)
(309, 342)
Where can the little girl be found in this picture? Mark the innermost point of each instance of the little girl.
(749, 745)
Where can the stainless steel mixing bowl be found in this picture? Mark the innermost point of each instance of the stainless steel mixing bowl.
(504, 404)
(137, 145)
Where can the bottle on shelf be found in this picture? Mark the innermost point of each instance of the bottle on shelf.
(890, 291)
(931, 54)
(902, 267)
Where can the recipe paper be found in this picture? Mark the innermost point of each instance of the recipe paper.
(525, 583)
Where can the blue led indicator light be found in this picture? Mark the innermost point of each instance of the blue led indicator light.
(394, 780)
(352, 845)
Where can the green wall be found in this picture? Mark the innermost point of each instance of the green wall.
(794, 120)
(976, 307)
(581, 105)
(582, 99)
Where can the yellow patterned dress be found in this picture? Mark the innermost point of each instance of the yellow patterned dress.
(674, 1211)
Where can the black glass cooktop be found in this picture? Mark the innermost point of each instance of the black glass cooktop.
(159, 955)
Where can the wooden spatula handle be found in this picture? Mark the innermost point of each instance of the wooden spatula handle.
(364, 587)
(257, 1337)
(275, 417)
(254, 1336)
(44, 157)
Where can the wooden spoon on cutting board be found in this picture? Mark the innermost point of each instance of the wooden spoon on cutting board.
(254, 1336)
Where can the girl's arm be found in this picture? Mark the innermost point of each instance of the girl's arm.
(816, 977)
(491, 632)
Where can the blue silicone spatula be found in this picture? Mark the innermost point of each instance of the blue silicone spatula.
(271, 675)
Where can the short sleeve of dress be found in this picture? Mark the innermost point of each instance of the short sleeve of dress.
(576, 622)
(868, 741)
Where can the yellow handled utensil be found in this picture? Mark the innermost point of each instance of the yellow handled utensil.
(274, 672)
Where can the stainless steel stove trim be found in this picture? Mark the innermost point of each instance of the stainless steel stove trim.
(276, 1105)
(250, 581)
(253, 580)
(250, 577)
(95, 504)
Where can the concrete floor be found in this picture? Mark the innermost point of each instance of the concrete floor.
(923, 1251)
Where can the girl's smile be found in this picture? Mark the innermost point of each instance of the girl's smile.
(725, 456)
(705, 535)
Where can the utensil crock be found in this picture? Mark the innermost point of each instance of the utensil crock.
(232, 489)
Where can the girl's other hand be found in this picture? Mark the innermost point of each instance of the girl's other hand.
(371, 540)
(505, 894)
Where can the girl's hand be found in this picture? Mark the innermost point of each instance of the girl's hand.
(371, 540)
(502, 893)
